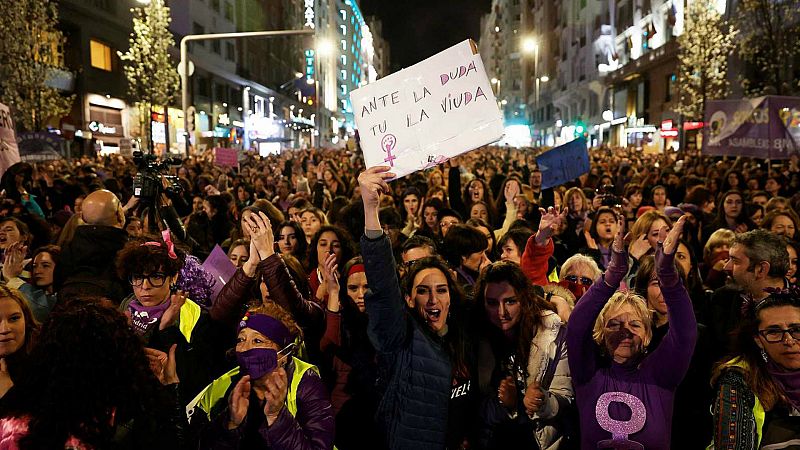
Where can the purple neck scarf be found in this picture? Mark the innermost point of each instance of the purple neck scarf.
(144, 317)
(789, 380)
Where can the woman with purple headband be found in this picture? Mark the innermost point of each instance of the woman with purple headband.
(272, 400)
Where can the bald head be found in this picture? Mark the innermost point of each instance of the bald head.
(103, 208)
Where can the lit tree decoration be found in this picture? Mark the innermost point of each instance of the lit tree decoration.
(153, 79)
(705, 46)
(30, 56)
(769, 45)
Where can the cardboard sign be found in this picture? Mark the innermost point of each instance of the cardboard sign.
(432, 111)
(226, 157)
(563, 163)
(9, 151)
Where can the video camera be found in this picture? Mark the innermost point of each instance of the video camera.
(148, 185)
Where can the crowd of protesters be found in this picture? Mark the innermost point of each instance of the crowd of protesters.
(651, 303)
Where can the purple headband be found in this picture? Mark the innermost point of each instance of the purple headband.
(269, 326)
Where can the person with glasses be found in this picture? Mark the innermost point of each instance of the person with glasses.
(614, 377)
(163, 315)
(757, 401)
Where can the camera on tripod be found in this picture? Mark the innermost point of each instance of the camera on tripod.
(148, 185)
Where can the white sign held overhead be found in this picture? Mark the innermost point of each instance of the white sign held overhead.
(432, 111)
(9, 151)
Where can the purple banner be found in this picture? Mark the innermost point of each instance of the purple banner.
(764, 127)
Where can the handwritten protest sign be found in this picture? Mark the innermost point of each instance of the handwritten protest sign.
(9, 151)
(226, 157)
(423, 115)
(563, 163)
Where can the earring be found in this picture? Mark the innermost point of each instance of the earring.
(764, 355)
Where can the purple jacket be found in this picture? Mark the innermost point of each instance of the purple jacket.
(311, 429)
(601, 386)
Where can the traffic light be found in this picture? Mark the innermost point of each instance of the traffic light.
(580, 129)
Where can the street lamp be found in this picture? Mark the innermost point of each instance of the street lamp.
(529, 45)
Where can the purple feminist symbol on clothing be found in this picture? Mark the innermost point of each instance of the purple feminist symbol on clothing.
(620, 430)
(387, 144)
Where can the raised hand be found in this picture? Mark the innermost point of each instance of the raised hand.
(330, 279)
(639, 247)
(534, 398)
(511, 191)
(372, 183)
(618, 267)
(507, 393)
(261, 235)
(14, 260)
(670, 238)
(550, 221)
(238, 402)
(277, 387)
(173, 312)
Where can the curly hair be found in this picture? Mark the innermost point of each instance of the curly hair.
(87, 372)
(137, 257)
(533, 305)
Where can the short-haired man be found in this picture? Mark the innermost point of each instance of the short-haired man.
(758, 260)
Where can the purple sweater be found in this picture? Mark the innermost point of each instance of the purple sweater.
(648, 388)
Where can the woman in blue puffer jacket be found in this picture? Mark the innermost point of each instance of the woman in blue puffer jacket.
(430, 399)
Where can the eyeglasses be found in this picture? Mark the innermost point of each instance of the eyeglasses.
(580, 280)
(156, 279)
(775, 335)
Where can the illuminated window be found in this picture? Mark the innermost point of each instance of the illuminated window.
(344, 59)
(100, 55)
(344, 75)
(344, 44)
(344, 30)
(344, 89)
(343, 13)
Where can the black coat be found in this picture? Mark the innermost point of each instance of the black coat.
(86, 264)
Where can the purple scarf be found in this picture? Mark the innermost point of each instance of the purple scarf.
(789, 380)
(144, 317)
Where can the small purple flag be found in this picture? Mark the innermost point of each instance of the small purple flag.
(220, 266)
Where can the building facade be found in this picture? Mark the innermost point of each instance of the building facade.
(602, 70)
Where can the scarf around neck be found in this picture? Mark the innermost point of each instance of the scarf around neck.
(788, 380)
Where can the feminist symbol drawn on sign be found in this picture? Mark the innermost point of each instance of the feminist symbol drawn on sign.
(619, 429)
(387, 144)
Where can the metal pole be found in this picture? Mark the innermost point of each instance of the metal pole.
(213, 36)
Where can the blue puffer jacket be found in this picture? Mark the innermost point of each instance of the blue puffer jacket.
(414, 407)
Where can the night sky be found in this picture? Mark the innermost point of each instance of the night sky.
(417, 29)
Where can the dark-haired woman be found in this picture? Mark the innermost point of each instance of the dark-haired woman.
(429, 400)
(292, 240)
(351, 356)
(464, 249)
(216, 210)
(758, 391)
(330, 239)
(410, 203)
(600, 236)
(164, 316)
(39, 291)
(523, 372)
(731, 214)
(89, 385)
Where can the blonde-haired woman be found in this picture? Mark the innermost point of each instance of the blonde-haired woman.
(715, 255)
(621, 373)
